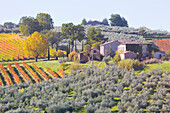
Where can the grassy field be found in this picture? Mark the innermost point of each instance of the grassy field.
(164, 65)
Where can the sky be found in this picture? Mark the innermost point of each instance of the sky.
(153, 14)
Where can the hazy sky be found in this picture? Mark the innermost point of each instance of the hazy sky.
(154, 14)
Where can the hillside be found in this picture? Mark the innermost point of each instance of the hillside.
(123, 34)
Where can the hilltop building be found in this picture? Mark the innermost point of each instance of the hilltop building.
(95, 23)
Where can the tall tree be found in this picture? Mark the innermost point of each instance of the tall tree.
(73, 32)
(117, 20)
(53, 38)
(105, 21)
(45, 21)
(29, 25)
(84, 22)
(95, 35)
(36, 45)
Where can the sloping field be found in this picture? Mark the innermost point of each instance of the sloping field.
(15, 73)
(11, 47)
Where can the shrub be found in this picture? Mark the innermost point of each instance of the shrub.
(168, 53)
(129, 64)
(75, 67)
(71, 55)
(165, 58)
(151, 61)
(60, 53)
(53, 52)
(106, 59)
(62, 60)
(75, 58)
(117, 57)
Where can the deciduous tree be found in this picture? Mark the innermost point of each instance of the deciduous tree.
(95, 35)
(36, 45)
(45, 21)
(29, 25)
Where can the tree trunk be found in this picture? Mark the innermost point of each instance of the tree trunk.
(36, 58)
(48, 53)
(56, 51)
(72, 43)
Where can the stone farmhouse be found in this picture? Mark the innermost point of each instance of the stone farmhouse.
(131, 49)
(109, 48)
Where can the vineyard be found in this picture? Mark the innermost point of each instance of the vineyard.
(23, 73)
(11, 47)
(163, 44)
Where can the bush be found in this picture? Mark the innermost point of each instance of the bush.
(60, 53)
(151, 61)
(117, 57)
(106, 59)
(165, 58)
(62, 60)
(71, 55)
(168, 53)
(130, 63)
(75, 67)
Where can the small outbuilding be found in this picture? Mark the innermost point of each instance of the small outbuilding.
(159, 54)
(96, 54)
(128, 55)
(82, 58)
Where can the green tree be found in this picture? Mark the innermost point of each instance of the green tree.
(96, 45)
(84, 22)
(45, 21)
(86, 51)
(73, 32)
(29, 25)
(141, 32)
(36, 45)
(95, 35)
(105, 21)
(168, 53)
(117, 20)
(53, 38)
(9, 25)
(25, 29)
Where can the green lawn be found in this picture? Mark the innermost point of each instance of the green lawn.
(54, 65)
(165, 66)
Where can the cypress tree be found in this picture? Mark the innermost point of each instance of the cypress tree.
(82, 45)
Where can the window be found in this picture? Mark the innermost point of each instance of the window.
(94, 51)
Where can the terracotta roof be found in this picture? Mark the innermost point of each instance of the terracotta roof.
(163, 44)
(142, 43)
(109, 42)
